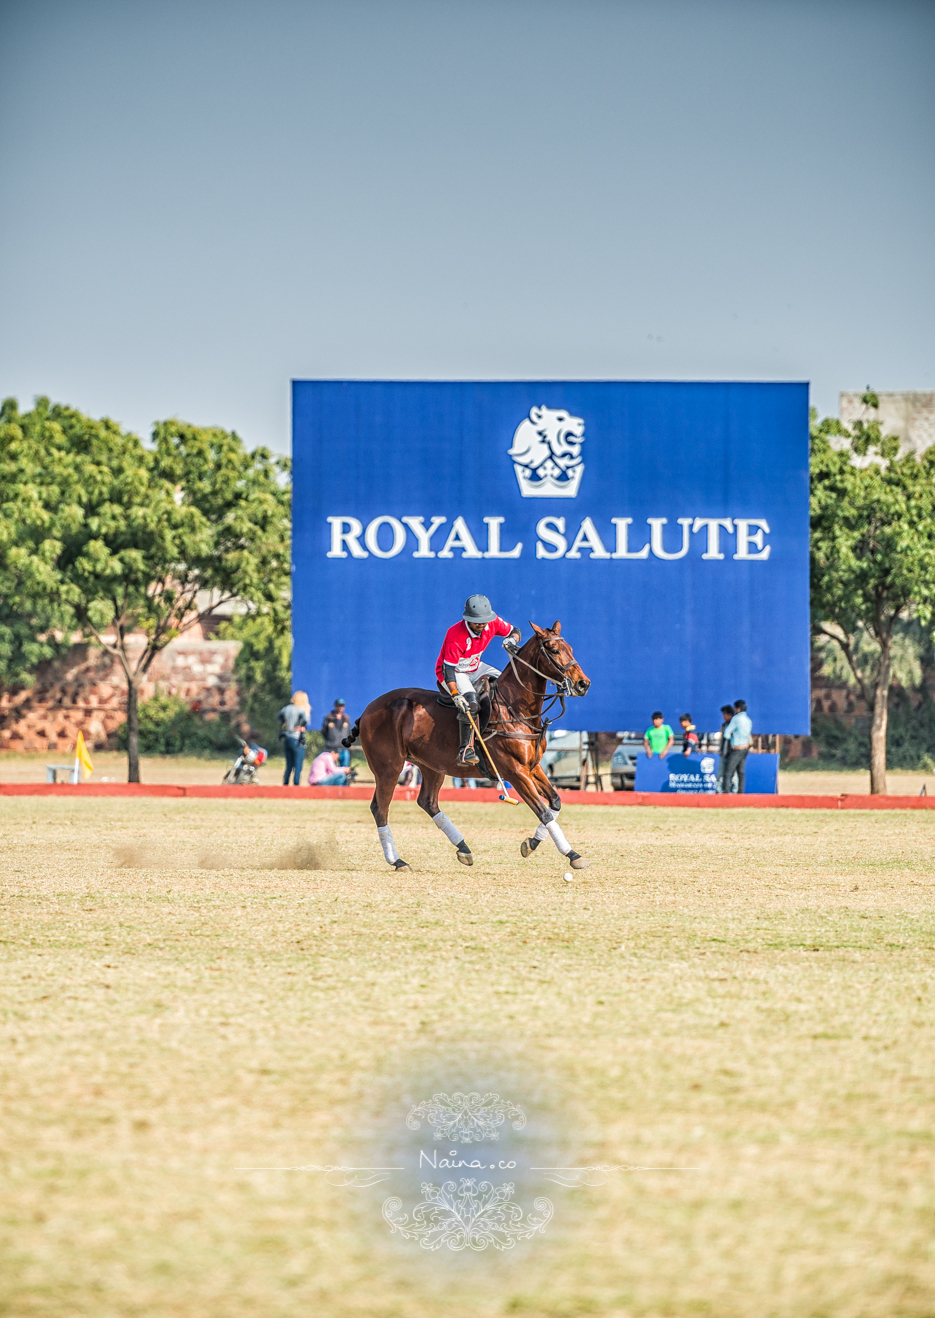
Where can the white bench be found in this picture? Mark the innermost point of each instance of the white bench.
(53, 770)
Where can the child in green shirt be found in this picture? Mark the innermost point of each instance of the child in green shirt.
(658, 738)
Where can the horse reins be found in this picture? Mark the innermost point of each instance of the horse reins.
(565, 684)
(563, 689)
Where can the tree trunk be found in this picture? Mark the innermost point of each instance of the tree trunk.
(133, 732)
(878, 725)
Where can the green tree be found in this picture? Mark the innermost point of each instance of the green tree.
(33, 620)
(873, 554)
(142, 543)
(262, 668)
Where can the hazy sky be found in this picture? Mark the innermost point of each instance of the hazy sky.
(203, 200)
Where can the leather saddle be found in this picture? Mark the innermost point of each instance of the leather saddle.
(484, 700)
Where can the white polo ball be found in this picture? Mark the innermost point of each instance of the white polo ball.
(568, 876)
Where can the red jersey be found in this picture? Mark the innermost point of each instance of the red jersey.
(463, 650)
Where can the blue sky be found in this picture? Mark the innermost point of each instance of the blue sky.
(204, 200)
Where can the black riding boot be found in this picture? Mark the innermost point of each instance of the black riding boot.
(466, 751)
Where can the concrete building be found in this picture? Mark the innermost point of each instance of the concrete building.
(910, 415)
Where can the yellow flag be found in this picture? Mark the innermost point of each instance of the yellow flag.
(82, 757)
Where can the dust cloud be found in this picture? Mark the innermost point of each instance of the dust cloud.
(303, 854)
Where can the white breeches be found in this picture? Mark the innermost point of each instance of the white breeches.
(468, 681)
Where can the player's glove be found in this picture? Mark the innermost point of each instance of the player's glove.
(461, 703)
(510, 645)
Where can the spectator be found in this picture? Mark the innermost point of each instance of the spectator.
(293, 720)
(689, 734)
(335, 728)
(723, 783)
(659, 737)
(738, 733)
(326, 772)
(464, 782)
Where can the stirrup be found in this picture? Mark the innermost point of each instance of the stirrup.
(467, 755)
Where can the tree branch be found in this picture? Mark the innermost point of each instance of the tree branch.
(849, 656)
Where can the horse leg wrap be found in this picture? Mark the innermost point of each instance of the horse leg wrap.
(541, 833)
(447, 827)
(385, 834)
(558, 837)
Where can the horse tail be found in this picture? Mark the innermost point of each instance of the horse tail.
(348, 742)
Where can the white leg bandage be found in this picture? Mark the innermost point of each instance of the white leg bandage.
(558, 837)
(541, 833)
(447, 827)
(385, 834)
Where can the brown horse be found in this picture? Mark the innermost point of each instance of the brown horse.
(410, 724)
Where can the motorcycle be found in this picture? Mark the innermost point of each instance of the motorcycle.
(244, 768)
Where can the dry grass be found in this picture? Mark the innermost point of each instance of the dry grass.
(749, 994)
(29, 767)
(830, 782)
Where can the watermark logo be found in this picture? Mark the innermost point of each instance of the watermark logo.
(546, 453)
(467, 1216)
(467, 1211)
(461, 1118)
(471, 1214)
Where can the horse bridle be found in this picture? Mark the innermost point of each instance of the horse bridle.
(537, 728)
(563, 687)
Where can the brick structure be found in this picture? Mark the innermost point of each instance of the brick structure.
(86, 692)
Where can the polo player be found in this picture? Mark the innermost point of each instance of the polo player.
(460, 668)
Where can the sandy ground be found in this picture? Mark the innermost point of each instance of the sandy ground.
(191, 989)
(17, 768)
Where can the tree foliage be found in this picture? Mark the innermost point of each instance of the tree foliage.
(34, 620)
(135, 544)
(873, 554)
(169, 726)
(262, 669)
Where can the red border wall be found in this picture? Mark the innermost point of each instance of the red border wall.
(482, 794)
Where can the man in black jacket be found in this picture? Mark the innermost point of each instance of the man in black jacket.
(335, 728)
(727, 713)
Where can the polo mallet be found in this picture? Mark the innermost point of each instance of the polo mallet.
(504, 787)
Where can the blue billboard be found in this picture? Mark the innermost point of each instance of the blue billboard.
(665, 525)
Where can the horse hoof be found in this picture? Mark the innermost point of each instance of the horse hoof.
(528, 846)
(465, 857)
(577, 862)
(401, 867)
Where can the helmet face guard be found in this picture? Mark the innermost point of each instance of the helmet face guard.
(478, 610)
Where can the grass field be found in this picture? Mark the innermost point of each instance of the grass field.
(191, 988)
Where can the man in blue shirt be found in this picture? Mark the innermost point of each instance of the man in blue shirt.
(738, 735)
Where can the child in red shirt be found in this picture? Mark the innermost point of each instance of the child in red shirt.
(689, 735)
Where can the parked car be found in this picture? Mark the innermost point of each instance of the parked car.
(561, 759)
(623, 764)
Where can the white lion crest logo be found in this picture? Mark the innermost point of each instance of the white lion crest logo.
(546, 454)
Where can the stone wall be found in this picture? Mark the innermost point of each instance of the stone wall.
(86, 692)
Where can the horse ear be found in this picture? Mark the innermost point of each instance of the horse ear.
(557, 627)
(537, 630)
